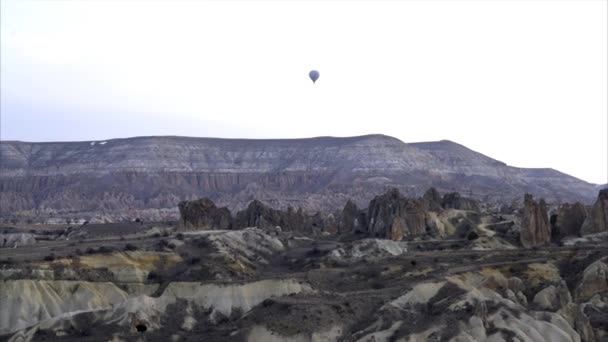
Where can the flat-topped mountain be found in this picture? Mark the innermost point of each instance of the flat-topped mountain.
(148, 176)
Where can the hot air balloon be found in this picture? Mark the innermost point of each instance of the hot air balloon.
(314, 75)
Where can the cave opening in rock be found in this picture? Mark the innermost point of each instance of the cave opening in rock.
(141, 328)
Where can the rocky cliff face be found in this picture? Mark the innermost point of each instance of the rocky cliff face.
(597, 221)
(117, 179)
(535, 228)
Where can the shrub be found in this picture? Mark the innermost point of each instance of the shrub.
(163, 244)
(50, 257)
(472, 236)
(130, 247)
(105, 250)
(153, 275)
(377, 285)
(194, 260)
(314, 252)
(7, 261)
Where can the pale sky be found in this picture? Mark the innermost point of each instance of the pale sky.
(524, 82)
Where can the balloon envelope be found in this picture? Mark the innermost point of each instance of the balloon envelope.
(314, 75)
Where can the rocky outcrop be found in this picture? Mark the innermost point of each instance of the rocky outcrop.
(428, 312)
(597, 221)
(246, 247)
(454, 200)
(568, 220)
(394, 216)
(12, 240)
(352, 219)
(370, 249)
(432, 199)
(535, 228)
(264, 217)
(203, 214)
(25, 303)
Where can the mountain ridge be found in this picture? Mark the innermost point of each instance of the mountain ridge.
(320, 173)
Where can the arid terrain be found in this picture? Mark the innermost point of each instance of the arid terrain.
(303, 171)
(439, 267)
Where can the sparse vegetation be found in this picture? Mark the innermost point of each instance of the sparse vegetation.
(130, 247)
(105, 250)
(472, 236)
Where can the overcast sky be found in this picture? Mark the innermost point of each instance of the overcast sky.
(523, 82)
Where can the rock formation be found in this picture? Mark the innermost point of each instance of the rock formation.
(432, 199)
(352, 219)
(262, 216)
(568, 220)
(393, 216)
(597, 221)
(388, 216)
(203, 214)
(535, 228)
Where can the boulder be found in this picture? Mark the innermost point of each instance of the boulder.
(594, 281)
(394, 216)
(568, 220)
(202, 214)
(553, 298)
(515, 284)
(535, 228)
(597, 221)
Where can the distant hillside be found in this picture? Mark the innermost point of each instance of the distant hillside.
(148, 176)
